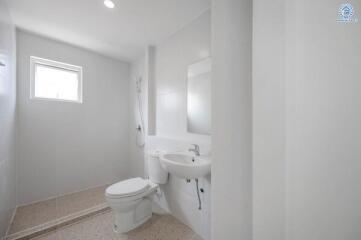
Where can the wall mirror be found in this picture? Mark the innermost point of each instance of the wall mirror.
(199, 97)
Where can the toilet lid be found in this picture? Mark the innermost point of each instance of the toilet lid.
(129, 187)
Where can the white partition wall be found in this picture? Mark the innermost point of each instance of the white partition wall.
(307, 114)
(269, 129)
(232, 120)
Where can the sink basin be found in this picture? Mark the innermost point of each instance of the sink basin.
(186, 165)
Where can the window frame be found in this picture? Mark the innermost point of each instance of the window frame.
(34, 61)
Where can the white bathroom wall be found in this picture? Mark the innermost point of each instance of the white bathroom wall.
(66, 147)
(7, 118)
(323, 104)
(307, 121)
(269, 129)
(232, 119)
(136, 153)
(172, 58)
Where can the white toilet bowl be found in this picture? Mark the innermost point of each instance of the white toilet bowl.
(130, 202)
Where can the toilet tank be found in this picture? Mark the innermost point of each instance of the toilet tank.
(156, 173)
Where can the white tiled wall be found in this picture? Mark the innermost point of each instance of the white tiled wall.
(172, 58)
(136, 153)
(7, 118)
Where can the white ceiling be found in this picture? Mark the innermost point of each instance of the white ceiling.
(122, 32)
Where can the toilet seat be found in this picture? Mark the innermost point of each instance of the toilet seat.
(128, 188)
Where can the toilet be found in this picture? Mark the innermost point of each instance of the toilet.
(131, 200)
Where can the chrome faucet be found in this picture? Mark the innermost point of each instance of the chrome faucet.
(195, 149)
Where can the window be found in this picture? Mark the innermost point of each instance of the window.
(55, 80)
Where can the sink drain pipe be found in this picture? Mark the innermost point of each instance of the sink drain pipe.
(199, 198)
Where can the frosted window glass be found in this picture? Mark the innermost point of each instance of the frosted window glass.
(54, 80)
(56, 83)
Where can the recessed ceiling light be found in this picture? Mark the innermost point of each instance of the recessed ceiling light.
(109, 3)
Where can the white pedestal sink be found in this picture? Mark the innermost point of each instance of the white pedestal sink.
(185, 165)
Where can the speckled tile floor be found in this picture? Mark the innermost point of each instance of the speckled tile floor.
(42, 212)
(159, 227)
